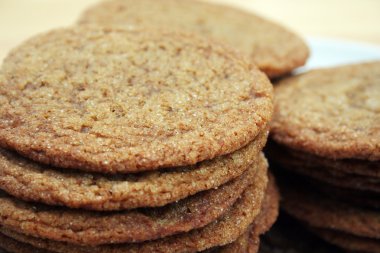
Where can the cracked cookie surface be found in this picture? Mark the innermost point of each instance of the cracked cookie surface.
(118, 100)
(333, 113)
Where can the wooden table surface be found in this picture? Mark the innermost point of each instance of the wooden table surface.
(350, 19)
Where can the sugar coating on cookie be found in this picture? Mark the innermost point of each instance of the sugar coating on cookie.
(333, 113)
(128, 99)
(321, 212)
(247, 242)
(31, 181)
(274, 49)
(220, 232)
(137, 225)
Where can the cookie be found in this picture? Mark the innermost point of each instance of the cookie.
(265, 219)
(335, 178)
(341, 179)
(320, 170)
(128, 99)
(220, 232)
(249, 241)
(288, 236)
(289, 158)
(94, 228)
(274, 49)
(241, 245)
(33, 182)
(360, 198)
(321, 212)
(354, 197)
(332, 113)
(349, 242)
(13, 246)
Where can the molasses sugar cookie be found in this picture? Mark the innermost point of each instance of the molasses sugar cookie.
(321, 212)
(31, 181)
(221, 232)
(274, 49)
(118, 100)
(349, 242)
(94, 228)
(332, 113)
(244, 244)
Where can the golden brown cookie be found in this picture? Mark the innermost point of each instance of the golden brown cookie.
(358, 175)
(243, 244)
(266, 219)
(340, 179)
(13, 246)
(249, 241)
(327, 175)
(94, 228)
(274, 49)
(349, 242)
(30, 181)
(220, 232)
(288, 236)
(290, 158)
(128, 99)
(333, 113)
(322, 212)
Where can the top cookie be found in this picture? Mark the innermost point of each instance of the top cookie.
(333, 113)
(273, 48)
(127, 99)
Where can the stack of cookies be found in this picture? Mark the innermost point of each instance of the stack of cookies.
(126, 139)
(326, 135)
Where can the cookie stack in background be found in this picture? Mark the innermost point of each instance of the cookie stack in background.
(126, 139)
(326, 135)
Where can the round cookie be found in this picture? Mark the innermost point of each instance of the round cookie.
(95, 228)
(266, 218)
(274, 49)
(340, 179)
(220, 232)
(333, 113)
(349, 242)
(249, 241)
(128, 99)
(290, 158)
(354, 197)
(322, 212)
(322, 170)
(360, 198)
(289, 236)
(33, 182)
(243, 244)
(13, 246)
(326, 175)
